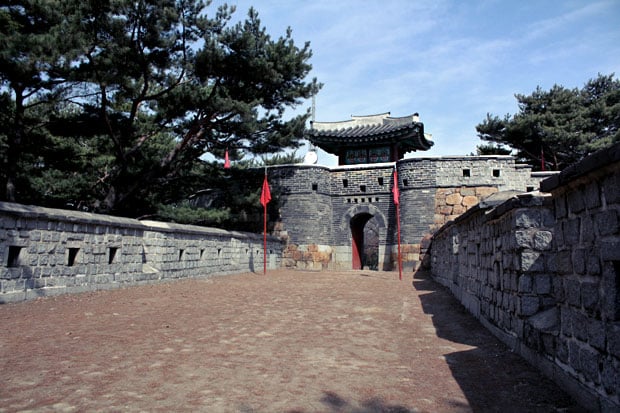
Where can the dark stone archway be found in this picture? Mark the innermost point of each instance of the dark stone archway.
(367, 226)
(358, 222)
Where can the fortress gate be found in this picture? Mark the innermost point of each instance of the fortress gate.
(344, 217)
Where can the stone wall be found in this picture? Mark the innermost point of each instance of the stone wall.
(317, 204)
(49, 251)
(542, 272)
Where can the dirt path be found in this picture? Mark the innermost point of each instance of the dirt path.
(286, 342)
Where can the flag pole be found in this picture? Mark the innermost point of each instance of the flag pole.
(265, 227)
(265, 239)
(396, 193)
(265, 197)
(400, 261)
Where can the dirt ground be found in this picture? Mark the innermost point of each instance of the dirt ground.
(290, 341)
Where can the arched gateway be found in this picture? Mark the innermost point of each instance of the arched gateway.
(344, 217)
(371, 141)
(347, 212)
(367, 226)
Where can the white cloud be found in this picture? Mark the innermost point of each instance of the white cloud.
(450, 61)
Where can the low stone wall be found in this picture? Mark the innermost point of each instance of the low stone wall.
(542, 271)
(49, 251)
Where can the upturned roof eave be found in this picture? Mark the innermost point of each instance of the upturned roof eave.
(408, 137)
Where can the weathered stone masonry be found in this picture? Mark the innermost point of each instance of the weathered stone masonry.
(543, 272)
(318, 204)
(48, 251)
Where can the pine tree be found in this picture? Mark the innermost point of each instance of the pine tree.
(560, 126)
(32, 55)
(150, 86)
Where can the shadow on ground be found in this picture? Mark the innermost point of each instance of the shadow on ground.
(337, 404)
(492, 378)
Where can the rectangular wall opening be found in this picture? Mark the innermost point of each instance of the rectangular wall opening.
(466, 173)
(112, 254)
(181, 251)
(72, 256)
(496, 173)
(13, 258)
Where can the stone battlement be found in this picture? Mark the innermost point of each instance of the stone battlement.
(50, 251)
(542, 271)
(317, 203)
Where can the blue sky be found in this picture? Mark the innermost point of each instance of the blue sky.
(452, 61)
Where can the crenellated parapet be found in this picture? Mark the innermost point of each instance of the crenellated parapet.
(323, 206)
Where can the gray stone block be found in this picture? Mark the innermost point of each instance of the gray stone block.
(613, 339)
(527, 218)
(593, 266)
(596, 334)
(572, 292)
(523, 238)
(542, 284)
(525, 284)
(607, 222)
(590, 295)
(573, 355)
(589, 362)
(611, 188)
(610, 250)
(561, 210)
(543, 240)
(532, 261)
(610, 377)
(587, 229)
(570, 229)
(557, 286)
(561, 351)
(528, 305)
(563, 263)
(580, 325)
(576, 202)
(579, 261)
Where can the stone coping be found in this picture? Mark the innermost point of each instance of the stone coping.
(597, 161)
(498, 204)
(36, 212)
(174, 227)
(456, 158)
(404, 161)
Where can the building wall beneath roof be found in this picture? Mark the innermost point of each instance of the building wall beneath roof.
(316, 204)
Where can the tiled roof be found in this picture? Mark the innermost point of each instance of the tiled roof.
(373, 130)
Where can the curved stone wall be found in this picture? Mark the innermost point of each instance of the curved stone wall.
(542, 271)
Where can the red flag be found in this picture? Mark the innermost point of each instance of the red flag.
(265, 195)
(226, 160)
(542, 159)
(396, 194)
(395, 190)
